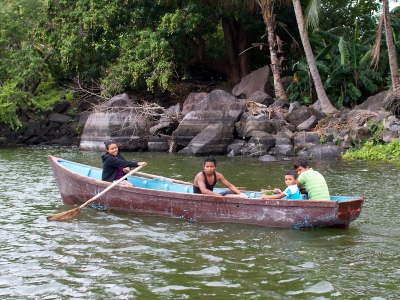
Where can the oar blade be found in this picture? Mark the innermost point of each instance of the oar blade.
(64, 215)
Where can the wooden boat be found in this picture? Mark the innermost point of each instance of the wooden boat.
(78, 183)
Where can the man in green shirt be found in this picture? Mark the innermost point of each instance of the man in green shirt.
(313, 181)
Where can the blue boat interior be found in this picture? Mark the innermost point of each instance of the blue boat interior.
(158, 184)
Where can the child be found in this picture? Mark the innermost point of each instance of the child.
(292, 192)
(205, 181)
(313, 181)
(114, 165)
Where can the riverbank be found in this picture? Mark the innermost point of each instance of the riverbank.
(287, 130)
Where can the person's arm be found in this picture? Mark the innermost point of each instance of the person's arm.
(112, 161)
(128, 169)
(226, 183)
(275, 196)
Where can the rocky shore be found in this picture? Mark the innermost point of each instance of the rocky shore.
(246, 121)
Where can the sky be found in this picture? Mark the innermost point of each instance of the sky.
(393, 4)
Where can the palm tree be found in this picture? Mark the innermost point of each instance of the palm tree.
(326, 105)
(394, 69)
(267, 9)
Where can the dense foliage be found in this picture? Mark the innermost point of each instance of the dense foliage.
(375, 151)
(142, 44)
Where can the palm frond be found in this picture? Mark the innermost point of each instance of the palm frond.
(321, 55)
(312, 14)
(377, 45)
(344, 52)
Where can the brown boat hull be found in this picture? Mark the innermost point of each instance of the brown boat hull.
(77, 189)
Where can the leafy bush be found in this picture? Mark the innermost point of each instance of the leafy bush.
(11, 99)
(374, 151)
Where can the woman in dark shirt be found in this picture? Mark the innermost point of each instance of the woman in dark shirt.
(114, 165)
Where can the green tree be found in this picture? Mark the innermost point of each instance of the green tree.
(24, 58)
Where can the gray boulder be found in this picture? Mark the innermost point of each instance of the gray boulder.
(158, 143)
(217, 107)
(388, 136)
(257, 80)
(311, 122)
(298, 116)
(249, 123)
(214, 139)
(283, 150)
(324, 151)
(391, 123)
(59, 118)
(375, 103)
(115, 120)
(305, 139)
(235, 149)
(191, 102)
(262, 98)
(259, 144)
(267, 158)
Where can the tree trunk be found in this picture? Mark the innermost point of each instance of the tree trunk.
(326, 105)
(394, 70)
(268, 16)
(233, 65)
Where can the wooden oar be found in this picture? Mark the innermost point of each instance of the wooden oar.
(73, 212)
(162, 178)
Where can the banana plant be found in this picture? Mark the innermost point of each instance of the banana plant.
(351, 77)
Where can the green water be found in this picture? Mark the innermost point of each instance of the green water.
(108, 256)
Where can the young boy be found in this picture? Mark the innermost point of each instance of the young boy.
(292, 191)
(313, 181)
(205, 181)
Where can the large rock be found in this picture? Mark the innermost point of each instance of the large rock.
(305, 139)
(217, 107)
(259, 144)
(311, 122)
(235, 149)
(375, 103)
(214, 139)
(56, 117)
(166, 123)
(158, 143)
(391, 123)
(249, 123)
(298, 116)
(324, 151)
(262, 98)
(114, 120)
(257, 80)
(191, 102)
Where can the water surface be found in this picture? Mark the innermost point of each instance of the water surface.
(98, 255)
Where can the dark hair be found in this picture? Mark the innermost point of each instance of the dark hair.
(108, 143)
(210, 159)
(301, 162)
(293, 173)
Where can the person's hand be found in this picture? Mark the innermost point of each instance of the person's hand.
(142, 163)
(277, 191)
(126, 170)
